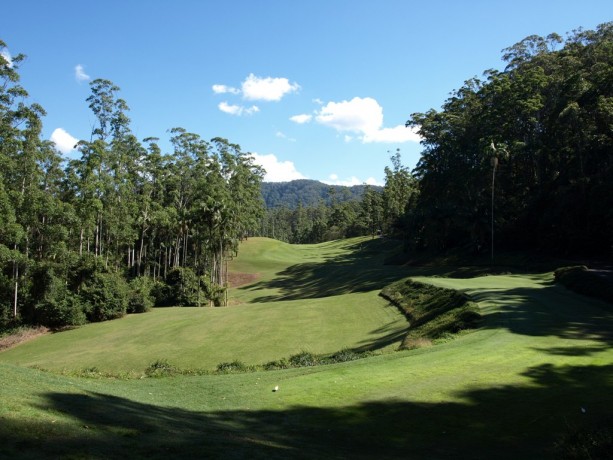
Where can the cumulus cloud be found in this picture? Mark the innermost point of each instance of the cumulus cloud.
(276, 170)
(364, 117)
(267, 89)
(79, 73)
(333, 179)
(223, 89)
(7, 57)
(64, 142)
(237, 110)
(301, 119)
(397, 134)
(358, 115)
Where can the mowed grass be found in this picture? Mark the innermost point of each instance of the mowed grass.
(250, 331)
(540, 367)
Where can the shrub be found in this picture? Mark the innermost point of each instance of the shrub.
(303, 359)
(106, 296)
(433, 312)
(162, 294)
(51, 303)
(344, 355)
(161, 368)
(282, 363)
(184, 287)
(583, 281)
(234, 366)
(140, 299)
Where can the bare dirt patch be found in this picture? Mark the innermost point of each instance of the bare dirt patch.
(236, 279)
(21, 335)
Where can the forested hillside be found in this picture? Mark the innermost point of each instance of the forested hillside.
(308, 193)
(524, 156)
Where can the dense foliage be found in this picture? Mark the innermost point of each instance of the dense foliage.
(524, 156)
(433, 312)
(77, 236)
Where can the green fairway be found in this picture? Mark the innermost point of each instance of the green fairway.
(540, 366)
(253, 331)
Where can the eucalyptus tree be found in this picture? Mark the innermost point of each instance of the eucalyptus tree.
(551, 109)
(399, 188)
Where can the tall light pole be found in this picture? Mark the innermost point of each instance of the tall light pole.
(494, 162)
(496, 153)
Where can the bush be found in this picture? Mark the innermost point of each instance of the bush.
(583, 281)
(282, 363)
(140, 299)
(50, 301)
(433, 312)
(303, 359)
(234, 366)
(106, 296)
(60, 308)
(161, 368)
(162, 294)
(184, 287)
(345, 355)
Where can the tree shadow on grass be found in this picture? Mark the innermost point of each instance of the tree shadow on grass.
(550, 311)
(382, 337)
(361, 269)
(505, 422)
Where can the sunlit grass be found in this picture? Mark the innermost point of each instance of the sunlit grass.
(540, 366)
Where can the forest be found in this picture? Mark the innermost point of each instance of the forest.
(520, 159)
(123, 226)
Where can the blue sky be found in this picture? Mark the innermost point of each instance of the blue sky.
(314, 89)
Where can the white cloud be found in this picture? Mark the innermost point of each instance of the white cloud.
(7, 56)
(267, 89)
(398, 134)
(301, 119)
(237, 110)
(223, 89)
(363, 116)
(333, 179)
(357, 115)
(318, 101)
(64, 142)
(277, 171)
(79, 73)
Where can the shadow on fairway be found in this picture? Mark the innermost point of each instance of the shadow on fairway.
(361, 269)
(551, 311)
(502, 422)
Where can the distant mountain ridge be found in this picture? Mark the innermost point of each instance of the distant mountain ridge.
(308, 193)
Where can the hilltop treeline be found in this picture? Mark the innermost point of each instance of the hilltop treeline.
(121, 226)
(342, 214)
(306, 193)
(529, 148)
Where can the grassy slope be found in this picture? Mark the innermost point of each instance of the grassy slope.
(273, 320)
(506, 391)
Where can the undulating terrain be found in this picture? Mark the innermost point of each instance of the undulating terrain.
(533, 381)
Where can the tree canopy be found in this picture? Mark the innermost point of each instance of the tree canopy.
(77, 234)
(543, 129)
